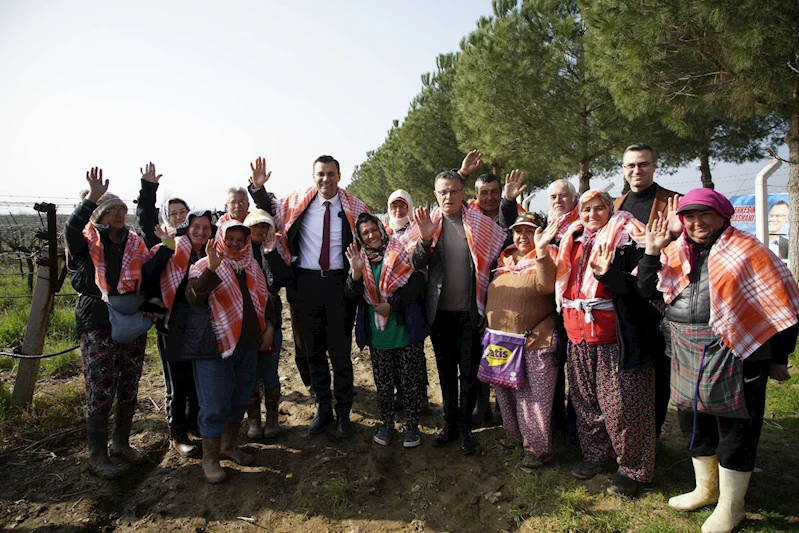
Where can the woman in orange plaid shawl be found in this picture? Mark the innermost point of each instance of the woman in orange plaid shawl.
(105, 258)
(611, 377)
(731, 303)
(390, 321)
(232, 284)
(521, 302)
(169, 269)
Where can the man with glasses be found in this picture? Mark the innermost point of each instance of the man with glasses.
(458, 247)
(237, 206)
(645, 199)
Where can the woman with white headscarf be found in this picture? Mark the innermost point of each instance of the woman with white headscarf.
(400, 213)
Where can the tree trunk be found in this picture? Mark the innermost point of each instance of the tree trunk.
(704, 168)
(585, 175)
(496, 168)
(626, 187)
(792, 139)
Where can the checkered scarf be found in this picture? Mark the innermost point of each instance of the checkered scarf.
(621, 229)
(133, 258)
(563, 222)
(227, 305)
(395, 274)
(175, 271)
(289, 209)
(752, 293)
(474, 204)
(508, 264)
(485, 239)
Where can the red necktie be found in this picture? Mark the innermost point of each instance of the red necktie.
(324, 257)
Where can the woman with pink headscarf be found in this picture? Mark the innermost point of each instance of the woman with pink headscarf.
(733, 312)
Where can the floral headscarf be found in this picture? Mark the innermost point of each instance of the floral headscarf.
(372, 254)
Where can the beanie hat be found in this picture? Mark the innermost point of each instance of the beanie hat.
(106, 202)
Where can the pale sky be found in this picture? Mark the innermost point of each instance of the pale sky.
(202, 88)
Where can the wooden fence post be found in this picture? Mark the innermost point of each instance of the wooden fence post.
(41, 307)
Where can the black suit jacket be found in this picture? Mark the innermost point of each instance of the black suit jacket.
(264, 200)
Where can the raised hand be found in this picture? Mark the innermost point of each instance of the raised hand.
(160, 232)
(603, 260)
(674, 224)
(514, 184)
(353, 254)
(148, 173)
(471, 162)
(259, 174)
(544, 236)
(383, 308)
(97, 187)
(658, 235)
(214, 259)
(421, 215)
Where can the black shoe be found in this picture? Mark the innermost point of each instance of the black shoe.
(468, 444)
(624, 486)
(323, 418)
(586, 470)
(447, 435)
(344, 428)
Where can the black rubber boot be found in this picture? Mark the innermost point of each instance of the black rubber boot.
(97, 440)
(120, 445)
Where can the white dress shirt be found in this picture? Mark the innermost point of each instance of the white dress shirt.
(311, 234)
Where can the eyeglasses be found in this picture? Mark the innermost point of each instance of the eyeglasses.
(446, 192)
(116, 211)
(238, 202)
(642, 165)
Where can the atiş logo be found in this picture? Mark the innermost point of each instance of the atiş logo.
(497, 355)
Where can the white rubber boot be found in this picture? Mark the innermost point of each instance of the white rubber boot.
(706, 471)
(730, 509)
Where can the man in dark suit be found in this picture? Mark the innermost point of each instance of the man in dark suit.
(317, 224)
(645, 199)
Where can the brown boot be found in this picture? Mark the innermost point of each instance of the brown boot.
(230, 446)
(212, 470)
(180, 442)
(272, 426)
(97, 440)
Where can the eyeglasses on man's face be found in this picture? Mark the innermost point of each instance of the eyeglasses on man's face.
(448, 192)
(643, 165)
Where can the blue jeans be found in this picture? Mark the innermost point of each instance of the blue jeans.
(267, 365)
(223, 389)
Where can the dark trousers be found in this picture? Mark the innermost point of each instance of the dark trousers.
(300, 355)
(181, 395)
(326, 318)
(662, 378)
(457, 348)
(733, 440)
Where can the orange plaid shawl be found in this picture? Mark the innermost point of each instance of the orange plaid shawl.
(474, 204)
(227, 305)
(563, 222)
(507, 264)
(485, 240)
(289, 209)
(394, 274)
(175, 271)
(620, 229)
(752, 293)
(135, 255)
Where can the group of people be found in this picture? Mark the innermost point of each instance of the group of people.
(640, 300)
